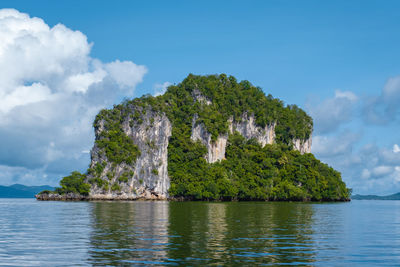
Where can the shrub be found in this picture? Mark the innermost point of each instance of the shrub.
(124, 177)
(74, 183)
(115, 187)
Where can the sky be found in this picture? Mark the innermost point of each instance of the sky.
(63, 61)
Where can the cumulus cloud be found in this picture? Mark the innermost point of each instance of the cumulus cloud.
(126, 73)
(50, 91)
(335, 145)
(384, 109)
(391, 90)
(347, 129)
(369, 169)
(333, 112)
(380, 174)
(379, 171)
(365, 174)
(160, 89)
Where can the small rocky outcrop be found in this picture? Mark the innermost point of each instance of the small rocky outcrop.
(63, 197)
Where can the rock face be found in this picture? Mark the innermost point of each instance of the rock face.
(198, 97)
(148, 177)
(248, 129)
(304, 146)
(152, 165)
(215, 150)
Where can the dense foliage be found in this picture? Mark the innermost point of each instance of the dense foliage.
(74, 183)
(117, 146)
(252, 172)
(249, 172)
(229, 99)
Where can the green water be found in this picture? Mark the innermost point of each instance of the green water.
(34, 233)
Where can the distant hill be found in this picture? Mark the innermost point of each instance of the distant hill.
(374, 197)
(22, 191)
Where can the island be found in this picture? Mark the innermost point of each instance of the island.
(395, 196)
(206, 138)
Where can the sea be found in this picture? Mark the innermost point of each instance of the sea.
(160, 233)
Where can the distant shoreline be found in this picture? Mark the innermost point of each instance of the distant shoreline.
(395, 196)
(22, 191)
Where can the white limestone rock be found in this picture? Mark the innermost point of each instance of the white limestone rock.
(150, 171)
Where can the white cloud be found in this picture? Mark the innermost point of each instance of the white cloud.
(333, 112)
(336, 145)
(11, 175)
(23, 95)
(381, 170)
(346, 95)
(365, 166)
(368, 170)
(81, 81)
(50, 91)
(126, 73)
(365, 174)
(160, 89)
(384, 109)
(391, 90)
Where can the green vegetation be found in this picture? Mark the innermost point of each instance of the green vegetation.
(98, 181)
(230, 99)
(74, 183)
(115, 187)
(99, 167)
(250, 172)
(110, 175)
(124, 177)
(118, 147)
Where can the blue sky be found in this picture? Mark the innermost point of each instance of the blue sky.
(338, 60)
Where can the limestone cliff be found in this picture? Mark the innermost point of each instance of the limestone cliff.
(215, 150)
(147, 177)
(304, 146)
(247, 127)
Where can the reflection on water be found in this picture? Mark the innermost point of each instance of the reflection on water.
(234, 233)
(201, 233)
(34, 233)
(130, 232)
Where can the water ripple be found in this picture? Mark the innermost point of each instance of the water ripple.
(36, 233)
